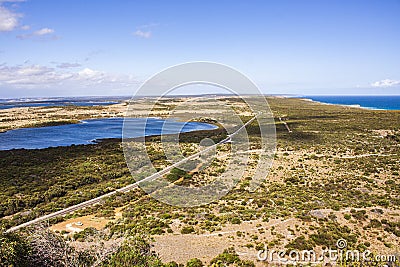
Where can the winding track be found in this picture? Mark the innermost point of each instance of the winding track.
(128, 187)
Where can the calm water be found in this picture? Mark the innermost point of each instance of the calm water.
(52, 103)
(90, 130)
(373, 102)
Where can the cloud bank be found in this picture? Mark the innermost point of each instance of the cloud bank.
(385, 83)
(39, 77)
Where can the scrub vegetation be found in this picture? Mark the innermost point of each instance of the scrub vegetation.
(336, 175)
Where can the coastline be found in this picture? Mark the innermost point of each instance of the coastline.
(340, 105)
(359, 106)
(32, 117)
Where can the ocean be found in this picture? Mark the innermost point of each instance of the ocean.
(370, 102)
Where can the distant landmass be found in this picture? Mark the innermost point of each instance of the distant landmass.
(59, 101)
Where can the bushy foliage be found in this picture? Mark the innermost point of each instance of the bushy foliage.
(13, 250)
(300, 243)
(187, 230)
(227, 258)
(134, 252)
(42, 247)
(194, 263)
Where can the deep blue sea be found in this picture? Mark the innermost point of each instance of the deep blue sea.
(371, 102)
(88, 131)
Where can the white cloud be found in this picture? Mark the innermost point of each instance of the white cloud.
(38, 77)
(91, 75)
(43, 31)
(32, 70)
(385, 83)
(144, 31)
(42, 34)
(9, 20)
(143, 34)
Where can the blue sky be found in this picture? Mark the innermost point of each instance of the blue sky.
(94, 47)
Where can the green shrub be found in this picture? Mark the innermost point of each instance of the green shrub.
(194, 263)
(187, 230)
(236, 220)
(374, 223)
(229, 256)
(135, 251)
(300, 243)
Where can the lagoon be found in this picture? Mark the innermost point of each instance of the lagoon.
(88, 131)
